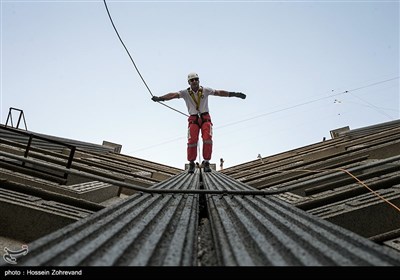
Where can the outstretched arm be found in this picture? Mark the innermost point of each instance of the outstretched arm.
(168, 96)
(220, 92)
(230, 94)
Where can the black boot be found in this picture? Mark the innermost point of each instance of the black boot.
(206, 166)
(191, 167)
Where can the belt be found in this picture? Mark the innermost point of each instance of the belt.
(202, 114)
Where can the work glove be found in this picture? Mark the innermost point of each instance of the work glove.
(237, 94)
(157, 99)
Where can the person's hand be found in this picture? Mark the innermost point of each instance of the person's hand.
(157, 99)
(237, 94)
(241, 95)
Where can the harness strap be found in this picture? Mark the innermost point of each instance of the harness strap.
(203, 120)
(199, 96)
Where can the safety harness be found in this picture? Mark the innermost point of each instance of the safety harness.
(197, 102)
(199, 96)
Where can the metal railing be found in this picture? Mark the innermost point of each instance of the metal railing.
(32, 136)
(21, 115)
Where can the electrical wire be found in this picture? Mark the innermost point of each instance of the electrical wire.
(309, 102)
(360, 182)
(259, 192)
(133, 62)
(194, 191)
(379, 110)
(373, 84)
(281, 110)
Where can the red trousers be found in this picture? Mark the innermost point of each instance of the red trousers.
(195, 124)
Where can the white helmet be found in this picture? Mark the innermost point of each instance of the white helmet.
(192, 76)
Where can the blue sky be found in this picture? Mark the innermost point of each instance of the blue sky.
(307, 67)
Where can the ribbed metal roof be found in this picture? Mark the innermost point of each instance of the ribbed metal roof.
(55, 143)
(142, 230)
(371, 129)
(162, 230)
(222, 219)
(267, 231)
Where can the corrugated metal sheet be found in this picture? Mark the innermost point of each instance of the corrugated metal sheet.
(377, 128)
(267, 231)
(143, 230)
(247, 230)
(236, 229)
(22, 136)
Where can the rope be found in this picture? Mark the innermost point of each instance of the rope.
(188, 191)
(133, 62)
(351, 175)
(368, 188)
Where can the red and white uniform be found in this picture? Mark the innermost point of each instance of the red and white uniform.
(199, 120)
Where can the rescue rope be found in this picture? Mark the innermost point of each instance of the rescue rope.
(133, 62)
(187, 191)
(351, 175)
(368, 188)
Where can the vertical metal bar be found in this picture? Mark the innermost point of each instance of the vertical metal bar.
(27, 148)
(9, 117)
(26, 127)
(70, 158)
(19, 119)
